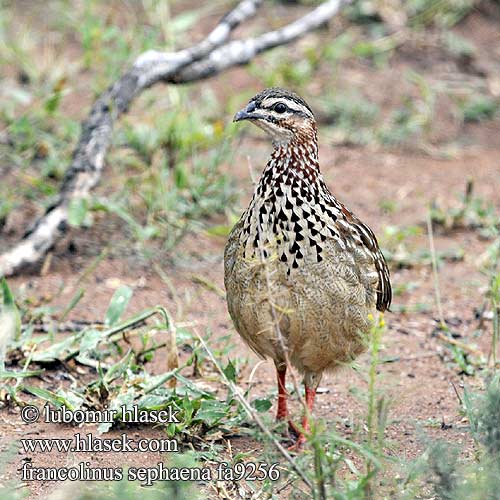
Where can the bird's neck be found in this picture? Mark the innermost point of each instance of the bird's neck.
(295, 159)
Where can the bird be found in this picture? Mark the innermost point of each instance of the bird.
(304, 276)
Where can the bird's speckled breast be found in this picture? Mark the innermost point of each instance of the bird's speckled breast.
(288, 251)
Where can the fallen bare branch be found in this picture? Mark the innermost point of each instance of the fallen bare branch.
(241, 52)
(207, 58)
(88, 158)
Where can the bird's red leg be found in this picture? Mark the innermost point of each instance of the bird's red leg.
(310, 397)
(282, 412)
(301, 439)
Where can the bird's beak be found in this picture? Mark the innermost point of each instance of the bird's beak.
(247, 113)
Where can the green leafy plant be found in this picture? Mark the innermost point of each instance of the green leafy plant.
(471, 212)
(477, 108)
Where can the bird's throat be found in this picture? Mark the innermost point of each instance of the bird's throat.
(296, 160)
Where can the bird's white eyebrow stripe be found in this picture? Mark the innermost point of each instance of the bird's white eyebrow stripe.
(270, 101)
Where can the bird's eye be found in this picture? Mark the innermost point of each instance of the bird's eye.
(279, 107)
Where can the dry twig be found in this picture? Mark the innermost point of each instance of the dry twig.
(209, 57)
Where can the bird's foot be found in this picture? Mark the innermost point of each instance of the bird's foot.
(297, 436)
(298, 446)
(293, 430)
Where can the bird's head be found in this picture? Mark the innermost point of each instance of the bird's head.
(282, 114)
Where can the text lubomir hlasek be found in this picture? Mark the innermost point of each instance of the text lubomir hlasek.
(128, 415)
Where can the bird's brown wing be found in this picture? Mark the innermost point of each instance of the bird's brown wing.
(367, 238)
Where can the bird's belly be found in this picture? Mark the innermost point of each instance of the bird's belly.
(321, 310)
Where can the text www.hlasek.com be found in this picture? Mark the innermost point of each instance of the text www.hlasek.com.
(88, 443)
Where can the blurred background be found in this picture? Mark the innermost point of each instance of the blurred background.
(420, 76)
(407, 99)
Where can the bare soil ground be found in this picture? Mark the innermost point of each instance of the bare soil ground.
(419, 381)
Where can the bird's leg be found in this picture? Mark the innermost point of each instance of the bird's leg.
(310, 396)
(301, 438)
(282, 412)
(311, 382)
